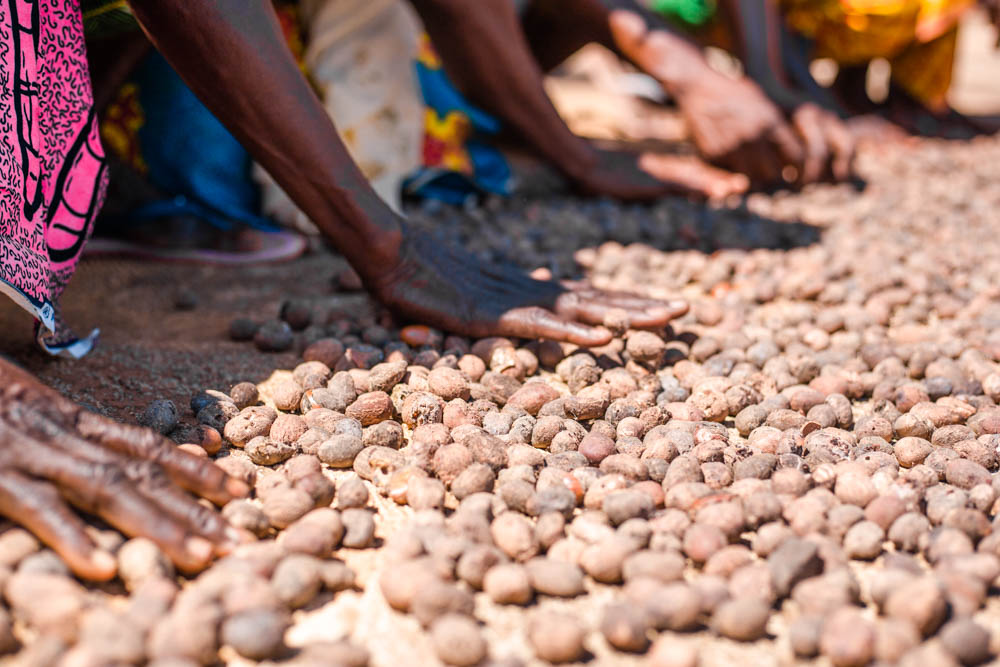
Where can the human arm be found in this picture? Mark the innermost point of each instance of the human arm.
(485, 51)
(232, 55)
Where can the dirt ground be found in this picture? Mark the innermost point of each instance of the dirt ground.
(150, 349)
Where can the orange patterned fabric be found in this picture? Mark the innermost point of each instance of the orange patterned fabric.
(918, 37)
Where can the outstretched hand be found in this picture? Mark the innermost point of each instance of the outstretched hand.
(56, 456)
(732, 121)
(452, 290)
(633, 176)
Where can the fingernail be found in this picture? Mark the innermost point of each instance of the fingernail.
(677, 304)
(103, 561)
(236, 488)
(200, 549)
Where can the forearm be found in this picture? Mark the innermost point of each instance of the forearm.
(233, 56)
(486, 54)
(761, 46)
(686, 64)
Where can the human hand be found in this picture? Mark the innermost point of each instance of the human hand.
(734, 125)
(645, 176)
(452, 290)
(56, 456)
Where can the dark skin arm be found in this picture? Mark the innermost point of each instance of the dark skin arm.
(484, 50)
(56, 457)
(232, 55)
(765, 48)
(733, 122)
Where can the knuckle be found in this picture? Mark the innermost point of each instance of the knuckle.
(146, 474)
(203, 520)
(107, 480)
(107, 475)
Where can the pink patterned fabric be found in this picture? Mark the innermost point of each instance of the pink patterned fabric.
(52, 168)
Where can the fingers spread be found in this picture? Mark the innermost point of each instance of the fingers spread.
(535, 322)
(38, 507)
(197, 475)
(690, 175)
(593, 307)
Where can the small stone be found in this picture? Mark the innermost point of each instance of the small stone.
(273, 336)
(256, 634)
(450, 461)
(352, 492)
(804, 636)
(922, 602)
(793, 561)
(458, 641)
(287, 429)
(140, 559)
(286, 394)
(161, 416)
(864, 540)
(327, 351)
(371, 408)
(596, 447)
(245, 515)
(966, 474)
(244, 394)
(624, 626)
(242, 329)
(968, 641)
(359, 528)
(894, 638)
(435, 598)
(552, 577)
(317, 533)
(557, 637)
(508, 584)
(623, 505)
(848, 639)
(742, 619)
(514, 535)
(297, 579)
(669, 651)
(285, 505)
(908, 530)
(340, 450)
(476, 478)
(264, 451)
(702, 540)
